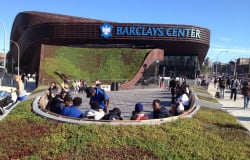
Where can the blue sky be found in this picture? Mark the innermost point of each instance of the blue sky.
(228, 20)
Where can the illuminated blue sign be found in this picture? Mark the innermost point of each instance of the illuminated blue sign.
(154, 32)
(106, 30)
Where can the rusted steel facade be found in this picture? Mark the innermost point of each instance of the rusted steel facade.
(31, 29)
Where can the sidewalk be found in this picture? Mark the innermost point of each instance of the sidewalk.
(234, 107)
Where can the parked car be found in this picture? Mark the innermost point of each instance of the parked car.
(5, 99)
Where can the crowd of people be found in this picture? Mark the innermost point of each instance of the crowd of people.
(202, 81)
(26, 77)
(180, 96)
(63, 99)
(233, 84)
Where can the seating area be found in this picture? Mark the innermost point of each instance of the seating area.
(40, 103)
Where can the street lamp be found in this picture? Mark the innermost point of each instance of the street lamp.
(18, 57)
(4, 35)
(216, 69)
(235, 61)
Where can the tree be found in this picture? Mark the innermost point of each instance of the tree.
(205, 69)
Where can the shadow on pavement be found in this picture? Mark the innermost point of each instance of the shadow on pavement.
(232, 108)
(243, 118)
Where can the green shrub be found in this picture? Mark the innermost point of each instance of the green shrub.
(91, 63)
(210, 134)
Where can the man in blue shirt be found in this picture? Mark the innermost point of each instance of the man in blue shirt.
(71, 107)
(99, 95)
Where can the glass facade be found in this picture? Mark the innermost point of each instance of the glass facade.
(179, 66)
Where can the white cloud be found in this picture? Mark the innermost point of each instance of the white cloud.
(245, 51)
(217, 52)
(225, 39)
(214, 45)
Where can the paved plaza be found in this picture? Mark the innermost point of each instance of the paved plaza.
(126, 100)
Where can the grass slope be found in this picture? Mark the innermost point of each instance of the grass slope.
(203, 90)
(91, 63)
(211, 134)
(209, 99)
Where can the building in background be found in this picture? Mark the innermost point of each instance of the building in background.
(243, 66)
(2, 56)
(239, 67)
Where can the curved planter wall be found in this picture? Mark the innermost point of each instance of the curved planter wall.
(37, 109)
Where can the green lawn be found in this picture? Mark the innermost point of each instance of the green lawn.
(201, 91)
(211, 134)
(204, 88)
(91, 63)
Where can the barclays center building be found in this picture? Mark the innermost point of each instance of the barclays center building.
(182, 47)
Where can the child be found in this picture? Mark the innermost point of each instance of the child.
(138, 114)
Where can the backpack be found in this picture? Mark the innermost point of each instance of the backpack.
(112, 116)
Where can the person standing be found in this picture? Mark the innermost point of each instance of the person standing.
(222, 87)
(234, 85)
(34, 76)
(228, 82)
(172, 86)
(99, 95)
(20, 92)
(246, 94)
(28, 76)
(215, 82)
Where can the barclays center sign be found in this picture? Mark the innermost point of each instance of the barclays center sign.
(107, 30)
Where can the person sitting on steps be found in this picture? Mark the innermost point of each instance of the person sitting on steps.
(94, 112)
(138, 113)
(158, 110)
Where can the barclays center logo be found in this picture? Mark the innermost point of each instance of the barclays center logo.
(106, 30)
